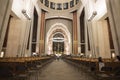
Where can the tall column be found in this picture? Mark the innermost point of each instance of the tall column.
(4, 17)
(113, 13)
(75, 35)
(92, 39)
(42, 32)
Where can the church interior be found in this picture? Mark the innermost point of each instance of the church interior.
(60, 39)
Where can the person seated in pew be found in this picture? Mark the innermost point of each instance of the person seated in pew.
(100, 63)
(117, 58)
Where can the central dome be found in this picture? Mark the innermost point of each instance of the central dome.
(60, 4)
(59, 1)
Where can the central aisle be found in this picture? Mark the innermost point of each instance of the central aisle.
(60, 70)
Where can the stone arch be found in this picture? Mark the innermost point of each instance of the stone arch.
(58, 28)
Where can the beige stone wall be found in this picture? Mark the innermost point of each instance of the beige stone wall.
(16, 38)
(39, 22)
(19, 29)
(66, 22)
(114, 16)
(22, 4)
(100, 30)
(55, 14)
(103, 39)
(19, 26)
(4, 16)
(97, 28)
(3, 11)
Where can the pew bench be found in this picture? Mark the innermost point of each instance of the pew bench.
(19, 67)
(109, 71)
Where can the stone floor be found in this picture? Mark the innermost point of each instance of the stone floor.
(60, 70)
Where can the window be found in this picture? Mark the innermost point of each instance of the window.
(72, 3)
(46, 3)
(77, 1)
(52, 5)
(59, 6)
(65, 6)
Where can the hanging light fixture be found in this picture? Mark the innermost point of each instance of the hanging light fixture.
(92, 16)
(25, 14)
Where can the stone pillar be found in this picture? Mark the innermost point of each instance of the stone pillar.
(27, 28)
(17, 38)
(42, 33)
(114, 16)
(38, 34)
(4, 17)
(75, 35)
(103, 39)
(91, 39)
(78, 32)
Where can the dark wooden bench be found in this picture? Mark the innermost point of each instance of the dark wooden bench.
(14, 66)
(110, 70)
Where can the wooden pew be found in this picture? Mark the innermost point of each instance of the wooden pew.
(12, 66)
(111, 69)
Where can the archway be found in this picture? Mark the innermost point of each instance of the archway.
(58, 29)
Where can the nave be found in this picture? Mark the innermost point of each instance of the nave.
(60, 70)
(63, 68)
(57, 69)
(33, 32)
